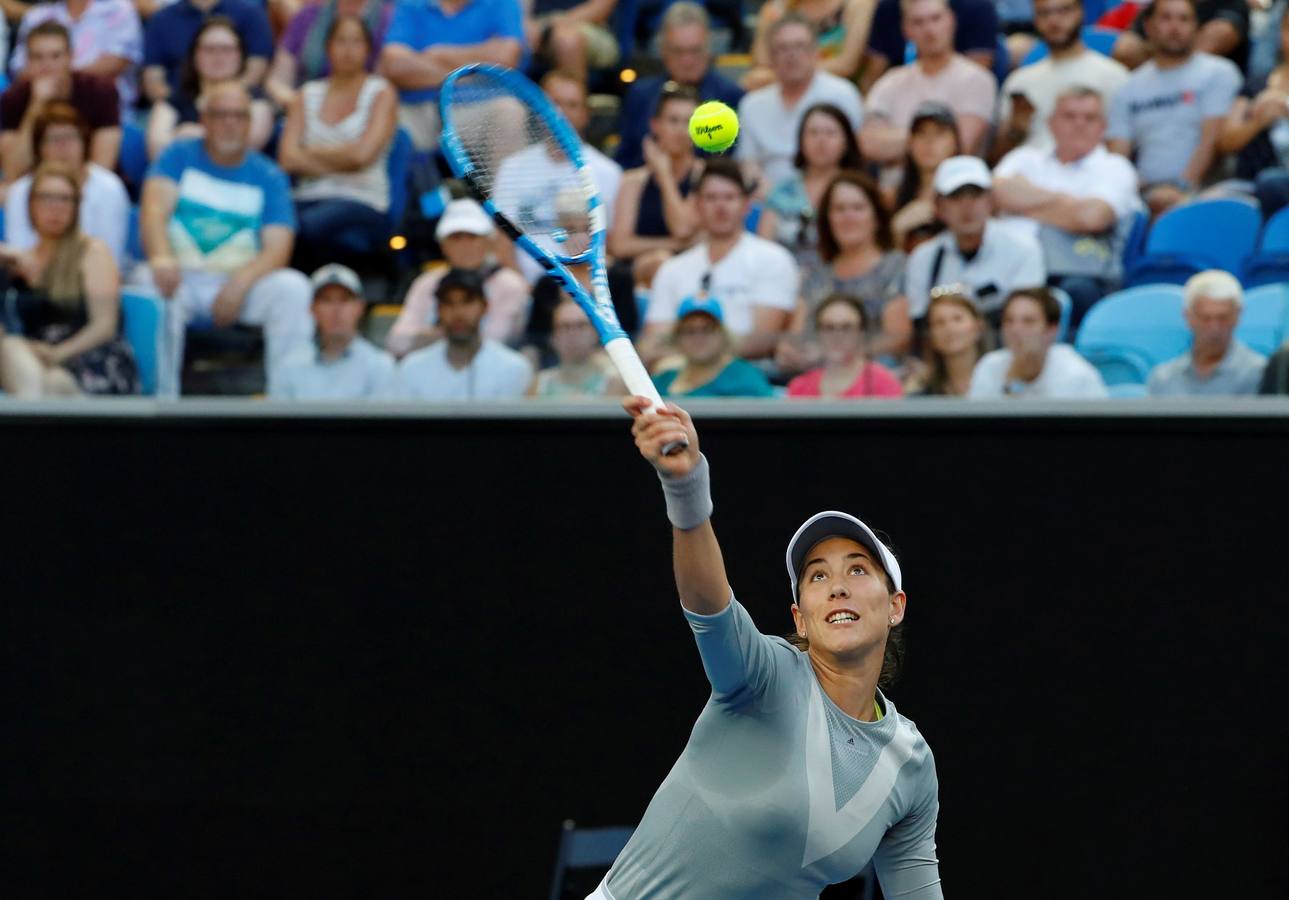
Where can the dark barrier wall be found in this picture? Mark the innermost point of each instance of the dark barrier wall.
(385, 658)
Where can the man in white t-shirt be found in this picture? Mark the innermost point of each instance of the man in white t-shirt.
(938, 74)
(1077, 199)
(1032, 364)
(770, 117)
(1029, 94)
(464, 365)
(531, 180)
(973, 250)
(755, 280)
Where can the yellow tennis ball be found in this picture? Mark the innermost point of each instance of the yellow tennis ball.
(713, 126)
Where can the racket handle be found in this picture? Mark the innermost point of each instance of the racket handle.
(624, 356)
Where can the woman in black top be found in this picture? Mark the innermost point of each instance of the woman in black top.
(65, 293)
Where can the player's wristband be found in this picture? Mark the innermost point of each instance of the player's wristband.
(689, 498)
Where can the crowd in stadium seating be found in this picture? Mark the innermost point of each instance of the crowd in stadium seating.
(927, 197)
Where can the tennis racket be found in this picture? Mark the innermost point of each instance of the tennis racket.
(523, 162)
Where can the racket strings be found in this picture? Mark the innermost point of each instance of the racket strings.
(518, 164)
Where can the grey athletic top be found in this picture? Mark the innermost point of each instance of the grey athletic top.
(778, 792)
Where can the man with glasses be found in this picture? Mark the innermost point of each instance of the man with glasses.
(218, 226)
(770, 117)
(1029, 94)
(687, 58)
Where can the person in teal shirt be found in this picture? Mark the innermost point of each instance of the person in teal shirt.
(710, 368)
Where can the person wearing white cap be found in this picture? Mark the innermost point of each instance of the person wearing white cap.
(339, 364)
(974, 249)
(799, 770)
(464, 234)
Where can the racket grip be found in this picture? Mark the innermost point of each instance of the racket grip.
(624, 356)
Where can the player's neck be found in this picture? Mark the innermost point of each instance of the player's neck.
(851, 684)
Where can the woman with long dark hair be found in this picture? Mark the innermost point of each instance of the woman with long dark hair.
(933, 138)
(826, 145)
(66, 294)
(799, 770)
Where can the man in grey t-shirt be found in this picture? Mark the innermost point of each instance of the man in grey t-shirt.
(1217, 364)
(1168, 114)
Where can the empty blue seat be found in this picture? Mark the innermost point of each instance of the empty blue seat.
(133, 158)
(1271, 262)
(1209, 234)
(1130, 332)
(143, 323)
(396, 166)
(1265, 319)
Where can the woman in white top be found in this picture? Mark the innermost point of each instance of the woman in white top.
(336, 140)
(61, 136)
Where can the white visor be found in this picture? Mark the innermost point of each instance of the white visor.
(832, 523)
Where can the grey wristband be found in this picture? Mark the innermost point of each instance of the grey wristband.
(689, 498)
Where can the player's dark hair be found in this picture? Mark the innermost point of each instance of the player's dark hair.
(893, 653)
(722, 168)
(1040, 295)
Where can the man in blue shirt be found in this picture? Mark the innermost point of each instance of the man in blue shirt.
(687, 57)
(218, 226)
(338, 364)
(427, 39)
(170, 31)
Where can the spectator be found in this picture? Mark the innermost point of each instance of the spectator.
(1257, 129)
(654, 215)
(985, 255)
(709, 366)
(1168, 114)
(216, 56)
(171, 31)
(301, 54)
(770, 117)
(572, 35)
(1077, 199)
(1223, 31)
(106, 40)
(684, 45)
(857, 259)
(217, 226)
(336, 143)
(464, 234)
(940, 74)
(1275, 377)
(582, 370)
(67, 294)
(465, 365)
(338, 364)
(975, 36)
(60, 136)
(842, 26)
(842, 325)
(957, 338)
(48, 76)
(754, 280)
(933, 138)
(1218, 363)
(426, 41)
(826, 145)
(1028, 96)
(1031, 363)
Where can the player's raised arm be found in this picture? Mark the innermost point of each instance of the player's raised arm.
(700, 569)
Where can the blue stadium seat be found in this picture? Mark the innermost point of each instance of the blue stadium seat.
(1264, 323)
(143, 323)
(133, 161)
(396, 166)
(586, 848)
(1135, 244)
(1099, 40)
(1130, 332)
(1067, 309)
(1271, 262)
(1208, 234)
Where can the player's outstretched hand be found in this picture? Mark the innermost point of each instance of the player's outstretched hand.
(655, 430)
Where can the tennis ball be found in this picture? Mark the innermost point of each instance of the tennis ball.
(713, 126)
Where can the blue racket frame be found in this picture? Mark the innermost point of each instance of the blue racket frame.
(598, 304)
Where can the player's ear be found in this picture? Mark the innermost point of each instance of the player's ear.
(799, 620)
(899, 600)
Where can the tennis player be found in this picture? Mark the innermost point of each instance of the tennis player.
(799, 770)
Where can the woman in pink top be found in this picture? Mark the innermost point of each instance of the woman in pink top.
(847, 371)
